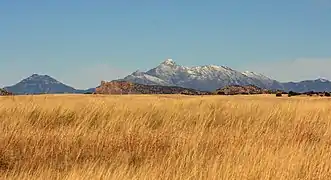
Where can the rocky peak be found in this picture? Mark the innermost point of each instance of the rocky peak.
(169, 62)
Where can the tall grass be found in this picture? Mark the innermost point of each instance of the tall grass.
(164, 137)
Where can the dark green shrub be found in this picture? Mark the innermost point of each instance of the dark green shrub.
(278, 94)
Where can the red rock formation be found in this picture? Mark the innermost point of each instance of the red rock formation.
(114, 87)
(124, 87)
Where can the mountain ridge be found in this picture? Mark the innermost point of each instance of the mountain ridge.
(169, 73)
(205, 77)
(211, 77)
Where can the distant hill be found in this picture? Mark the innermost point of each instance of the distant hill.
(41, 84)
(318, 85)
(237, 89)
(124, 87)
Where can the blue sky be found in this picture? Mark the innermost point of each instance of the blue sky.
(83, 42)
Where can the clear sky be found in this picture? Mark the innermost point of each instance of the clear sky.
(81, 42)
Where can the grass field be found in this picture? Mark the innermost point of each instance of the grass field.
(165, 137)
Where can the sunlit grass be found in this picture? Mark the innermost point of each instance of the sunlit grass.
(164, 137)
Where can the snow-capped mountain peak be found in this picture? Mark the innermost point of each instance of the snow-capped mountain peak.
(169, 62)
(207, 77)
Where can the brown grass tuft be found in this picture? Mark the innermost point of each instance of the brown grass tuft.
(164, 137)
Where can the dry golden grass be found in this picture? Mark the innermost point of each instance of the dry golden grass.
(164, 137)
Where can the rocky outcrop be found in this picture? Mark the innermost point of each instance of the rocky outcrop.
(237, 89)
(124, 87)
(5, 93)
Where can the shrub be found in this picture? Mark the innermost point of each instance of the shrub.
(292, 93)
(310, 93)
(278, 94)
(220, 93)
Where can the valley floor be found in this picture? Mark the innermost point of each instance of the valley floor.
(165, 137)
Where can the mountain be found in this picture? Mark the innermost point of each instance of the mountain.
(169, 73)
(211, 77)
(318, 85)
(125, 87)
(205, 78)
(39, 84)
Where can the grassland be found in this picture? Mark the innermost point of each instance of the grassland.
(164, 137)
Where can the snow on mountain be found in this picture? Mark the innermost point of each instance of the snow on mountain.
(207, 77)
(263, 81)
(323, 80)
(143, 78)
(256, 75)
